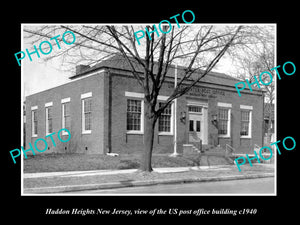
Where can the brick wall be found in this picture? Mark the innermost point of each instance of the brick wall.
(109, 107)
(131, 143)
(79, 143)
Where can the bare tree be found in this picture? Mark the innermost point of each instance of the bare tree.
(256, 57)
(197, 48)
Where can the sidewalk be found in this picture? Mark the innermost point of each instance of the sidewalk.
(112, 172)
(60, 182)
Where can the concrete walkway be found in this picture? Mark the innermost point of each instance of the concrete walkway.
(113, 172)
(62, 182)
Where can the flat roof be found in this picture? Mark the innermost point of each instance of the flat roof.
(119, 62)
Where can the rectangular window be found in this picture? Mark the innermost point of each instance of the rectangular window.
(191, 127)
(49, 129)
(195, 109)
(165, 119)
(134, 115)
(223, 122)
(66, 116)
(198, 126)
(87, 115)
(34, 123)
(245, 123)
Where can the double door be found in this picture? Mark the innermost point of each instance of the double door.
(197, 124)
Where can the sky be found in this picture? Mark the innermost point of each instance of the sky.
(39, 75)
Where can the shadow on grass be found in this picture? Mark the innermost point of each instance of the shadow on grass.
(128, 164)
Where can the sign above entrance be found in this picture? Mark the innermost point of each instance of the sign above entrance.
(203, 92)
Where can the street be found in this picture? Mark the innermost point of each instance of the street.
(244, 186)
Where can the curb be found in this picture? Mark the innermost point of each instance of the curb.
(82, 187)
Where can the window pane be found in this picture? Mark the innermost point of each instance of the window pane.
(49, 112)
(198, 126)
(134, 108)
(66, 115)
(49, 119)
(223, 114)
(50, 126)
(164, 123)
(87, 121)
(35, 122)
(195, 108)
(35, 127)
(88, 105)
(223, 121)
(66, 108)
(87, 113)
(134, 105)
(245, 115)
(34, 116)
(191, 125)
(222, 127)
(244, 128)
(245, 122)
(67, 122)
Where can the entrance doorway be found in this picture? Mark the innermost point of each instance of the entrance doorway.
(197, 129)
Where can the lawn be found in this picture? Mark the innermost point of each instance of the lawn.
(82, 162)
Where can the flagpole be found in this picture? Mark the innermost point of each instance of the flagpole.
(174, 154)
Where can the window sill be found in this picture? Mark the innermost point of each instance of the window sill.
(245, 137)
(224, 136)
(87, 132)
(165, 134)
(134, 132)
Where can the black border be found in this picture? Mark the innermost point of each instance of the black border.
(268, 207)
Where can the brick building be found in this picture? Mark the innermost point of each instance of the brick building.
(102, 106)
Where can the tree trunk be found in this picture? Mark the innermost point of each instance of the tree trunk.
(150, 122)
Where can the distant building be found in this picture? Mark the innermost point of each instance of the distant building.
(267, 114)
(24, 123)
(103, 108)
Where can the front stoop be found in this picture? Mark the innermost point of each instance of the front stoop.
(205, 149)
(190, 148)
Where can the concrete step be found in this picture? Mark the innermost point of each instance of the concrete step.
(209, 150)
(190, 148)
